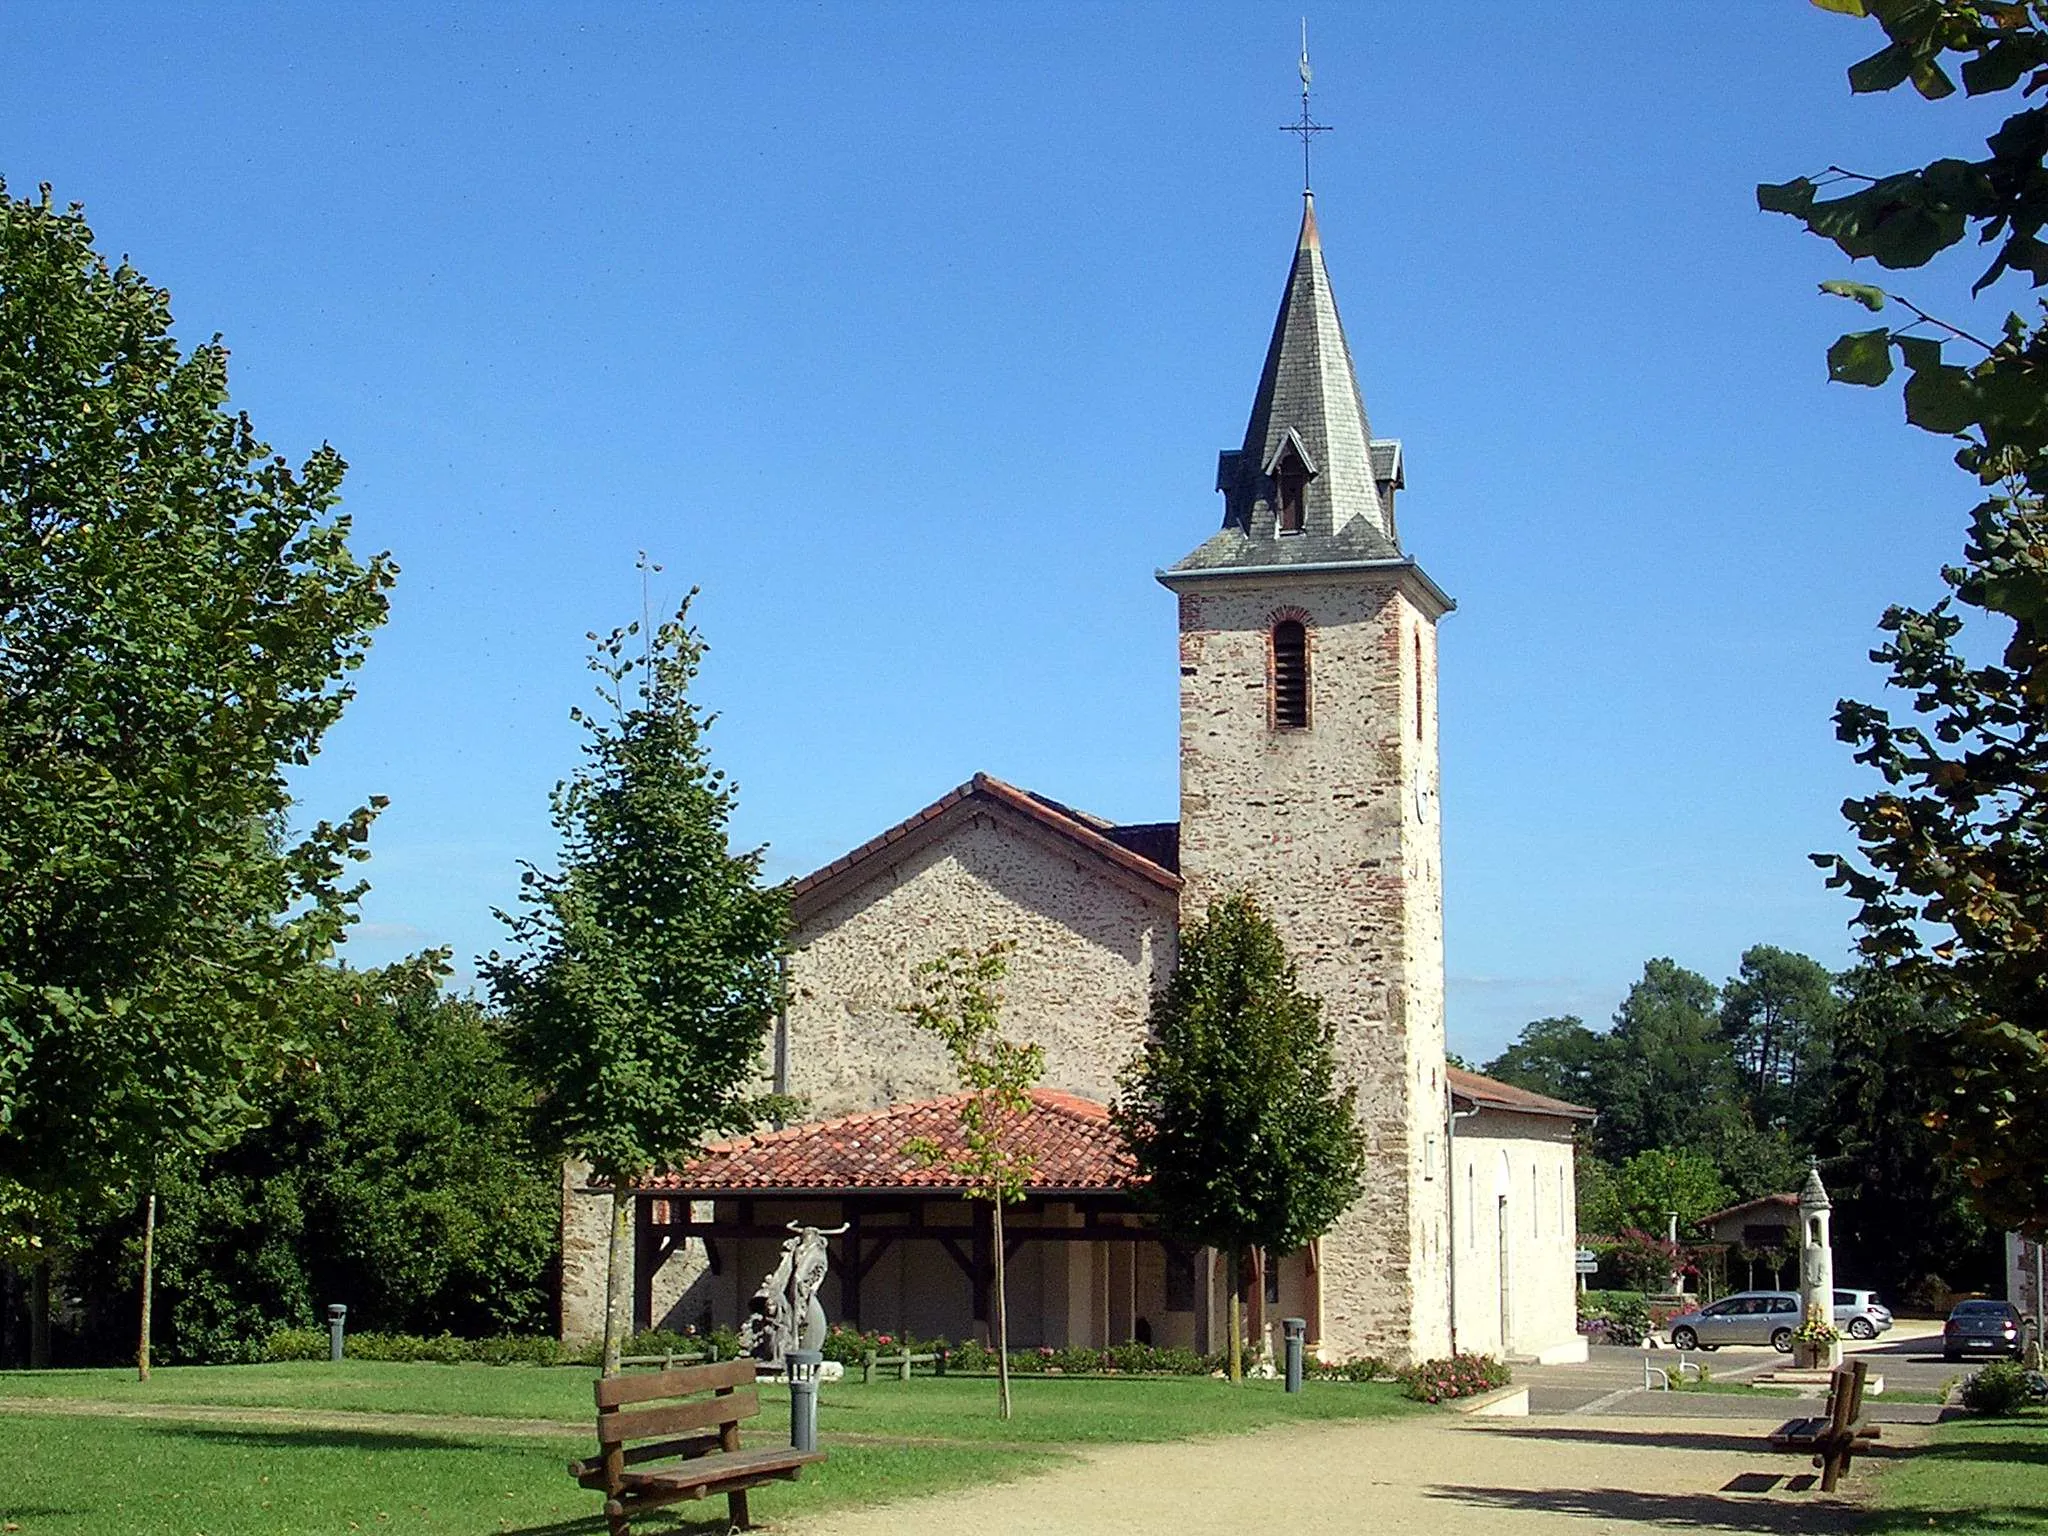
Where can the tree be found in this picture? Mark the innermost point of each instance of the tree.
(645, 976)
(1951, 885)
(1903, 1210)
(1643, 1191)
(1232, 1111)
(1559, 1057)
(391, 1170)
(960, 1000)
(179, 613)
(1666, 1076)
(1776, 1013)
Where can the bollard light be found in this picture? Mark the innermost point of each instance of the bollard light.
(1295, 1331)
(800, 1370)
(337, 1320)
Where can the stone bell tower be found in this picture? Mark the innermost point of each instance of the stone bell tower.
(1309, 778)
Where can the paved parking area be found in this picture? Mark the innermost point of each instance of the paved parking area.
(1611, 1381)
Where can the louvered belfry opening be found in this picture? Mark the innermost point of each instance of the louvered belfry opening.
(1290, 675)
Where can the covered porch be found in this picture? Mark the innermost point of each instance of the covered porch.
(1084, 1265)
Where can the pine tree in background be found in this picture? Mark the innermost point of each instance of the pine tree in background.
(645, 976)
(1232, 1111)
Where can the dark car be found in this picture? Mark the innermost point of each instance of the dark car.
(1983, 1328)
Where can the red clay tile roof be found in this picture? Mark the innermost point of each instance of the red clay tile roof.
(1488, 1093)
(1074, 1146)
(1091, 833)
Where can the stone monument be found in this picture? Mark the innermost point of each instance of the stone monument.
(1816, 1273)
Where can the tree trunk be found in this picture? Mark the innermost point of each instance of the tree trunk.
(618, 1277)
(148, 1284)
(1002, 1320)
(39, 1316)
(1236, 1315)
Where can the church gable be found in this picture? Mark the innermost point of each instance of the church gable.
(1093, 922)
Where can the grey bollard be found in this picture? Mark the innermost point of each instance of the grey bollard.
(1295, 1330)
(337, 1318)
(800, 1368)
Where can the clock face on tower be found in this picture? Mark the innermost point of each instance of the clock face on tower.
(1425, 798)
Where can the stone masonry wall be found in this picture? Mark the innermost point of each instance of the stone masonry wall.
(1334, 828)
(1092, 944)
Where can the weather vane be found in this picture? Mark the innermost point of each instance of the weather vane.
(1308, 127)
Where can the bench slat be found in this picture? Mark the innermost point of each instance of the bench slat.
(713, 1472)
(676, 1418)
(617, 1391)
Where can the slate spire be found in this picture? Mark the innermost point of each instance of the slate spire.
(1309, 485)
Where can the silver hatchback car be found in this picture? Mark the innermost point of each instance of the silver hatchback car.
(1861, 1315)
(1748, 1317)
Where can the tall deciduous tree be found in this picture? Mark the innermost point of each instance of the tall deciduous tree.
(179, 613)
(1232, 1111)
(1952, 881)
(960, 1000)
(645, 974)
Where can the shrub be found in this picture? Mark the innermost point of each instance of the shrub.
(2000, 1388)
(1614, 1317)
(1436, 1381)
(1363, 1368)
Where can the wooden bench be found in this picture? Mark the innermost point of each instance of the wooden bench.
(900, 1364)
(662, 1440)
(1836, 1436)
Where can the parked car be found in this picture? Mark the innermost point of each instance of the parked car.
(1747, 1317)
(1860, 1314)
(1983, 1328)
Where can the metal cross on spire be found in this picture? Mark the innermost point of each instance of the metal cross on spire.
(1308, 127)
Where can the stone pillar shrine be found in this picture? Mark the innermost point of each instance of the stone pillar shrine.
(1817, 1266)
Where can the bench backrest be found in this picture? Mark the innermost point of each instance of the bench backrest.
(674, 1405)
(1845, 1394)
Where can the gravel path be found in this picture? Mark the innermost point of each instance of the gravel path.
(1409, 1477)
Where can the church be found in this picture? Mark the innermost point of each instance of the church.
(1308, 776)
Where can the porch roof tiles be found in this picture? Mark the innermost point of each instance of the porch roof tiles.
(1073, 1146)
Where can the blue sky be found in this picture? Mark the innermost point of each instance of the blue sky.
(910, 332)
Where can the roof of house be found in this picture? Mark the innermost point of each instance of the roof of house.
(1148, 850)
(1073, 1147)
(1761, 1202)
(1490, 1093)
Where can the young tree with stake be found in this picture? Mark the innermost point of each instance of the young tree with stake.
(960, 1000)
(645, 977)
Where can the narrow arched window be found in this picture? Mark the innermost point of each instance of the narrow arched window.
(1290, 675)
(1290, 491)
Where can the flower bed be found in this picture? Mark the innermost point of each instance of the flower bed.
(1438, 1381)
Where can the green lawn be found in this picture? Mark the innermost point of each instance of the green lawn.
(1981, 1477)
(72, 1475)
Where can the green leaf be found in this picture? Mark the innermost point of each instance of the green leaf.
(1882, 70)
(1794, 197)
(1842, 7)
(1862, 357)
(1919, 352)
(1941, 400)
(1999, 67)
(1863, 293)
